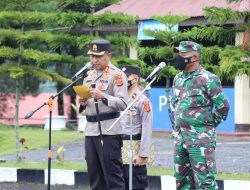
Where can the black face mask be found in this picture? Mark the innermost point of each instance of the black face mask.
(181, 62)
(129, 83)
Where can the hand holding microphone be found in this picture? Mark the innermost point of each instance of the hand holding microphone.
(95, 92)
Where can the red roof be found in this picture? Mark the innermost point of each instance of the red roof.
(192, 8)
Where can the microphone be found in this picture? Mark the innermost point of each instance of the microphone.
(93, 85)
(156, 70)
(83, 70)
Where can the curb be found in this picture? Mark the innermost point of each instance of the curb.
(73, 177)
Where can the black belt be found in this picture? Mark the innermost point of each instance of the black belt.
(93, 118)
(134, 137)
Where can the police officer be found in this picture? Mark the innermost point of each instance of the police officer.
(103, 156)
(141, 131)
(199, 106)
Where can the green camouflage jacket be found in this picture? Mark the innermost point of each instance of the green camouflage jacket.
(199, 103)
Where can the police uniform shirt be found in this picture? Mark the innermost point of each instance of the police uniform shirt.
(112, 81)
(142, 118)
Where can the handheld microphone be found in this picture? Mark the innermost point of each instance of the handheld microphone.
(93, 85)
(83, 70)
(156, 70)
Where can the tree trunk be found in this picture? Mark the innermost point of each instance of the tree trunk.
(92, 11)
(18, 149)
(73, 116)
(123, 46)
(72, 110)
(60, 100)
(60, 86)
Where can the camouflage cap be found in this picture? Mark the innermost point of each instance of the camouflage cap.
(98, 47)
(188, 46)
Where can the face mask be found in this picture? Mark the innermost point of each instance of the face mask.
(181, 62)
(129, 83)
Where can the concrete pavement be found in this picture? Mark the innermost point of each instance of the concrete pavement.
(232, 153)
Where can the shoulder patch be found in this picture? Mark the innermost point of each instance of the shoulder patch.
(147, 107)
(118, 79)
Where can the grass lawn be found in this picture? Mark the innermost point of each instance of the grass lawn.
(38, 138)
(35, 138)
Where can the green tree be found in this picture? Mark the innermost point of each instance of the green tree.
(224, 58)
(46, 39)
(92, 27)
(25, 50)
(233, 59)
(165, 51)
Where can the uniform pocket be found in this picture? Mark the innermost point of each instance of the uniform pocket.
(195, 98)
(210, 159)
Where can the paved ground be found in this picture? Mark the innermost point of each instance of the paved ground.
(32, 186)
(232, 154)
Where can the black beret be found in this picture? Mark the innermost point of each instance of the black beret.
(129, 69)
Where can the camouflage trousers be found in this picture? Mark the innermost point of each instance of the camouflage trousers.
(194, 166)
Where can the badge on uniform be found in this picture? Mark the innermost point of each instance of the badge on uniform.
(147, 107)
(118, 79)
(106, 73)
(91, 75)
(102, 87)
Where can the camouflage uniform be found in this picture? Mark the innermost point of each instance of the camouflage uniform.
(194, 96)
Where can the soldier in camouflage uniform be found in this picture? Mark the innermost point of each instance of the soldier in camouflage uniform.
(105, 169)
(142, 118)
(199, 106)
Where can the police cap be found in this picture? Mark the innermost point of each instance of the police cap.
(98, 47)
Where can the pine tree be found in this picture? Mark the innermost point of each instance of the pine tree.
(165, 51)
(25, 49)
(224, 59)
(36, 36)
(95, 26)
(233, 59)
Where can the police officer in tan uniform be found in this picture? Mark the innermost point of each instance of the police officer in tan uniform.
(142, 118)
(103, 156)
